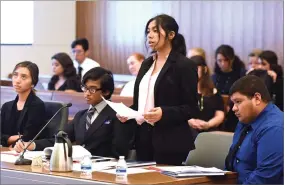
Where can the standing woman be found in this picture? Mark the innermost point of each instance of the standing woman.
(64, 78)
(25, 114)
(165, 94)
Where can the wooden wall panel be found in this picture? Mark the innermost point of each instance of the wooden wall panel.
(115, 29)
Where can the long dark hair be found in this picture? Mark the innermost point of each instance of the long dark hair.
(206, 84)
(228, 52)
(169, 24)
(272, 59)
(69, 70)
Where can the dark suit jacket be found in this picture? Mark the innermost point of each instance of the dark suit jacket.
(31, 120)
(175, 91)
(107, 136)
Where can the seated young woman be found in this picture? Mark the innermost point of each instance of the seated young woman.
(24, 116)
(210, 102)
(64, 78)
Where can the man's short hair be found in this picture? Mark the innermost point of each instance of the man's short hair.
(249, 85)
(106, 79)
(82, 42)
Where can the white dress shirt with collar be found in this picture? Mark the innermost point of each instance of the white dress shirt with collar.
(86, 65)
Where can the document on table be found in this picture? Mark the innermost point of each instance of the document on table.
(123, 110)
(130, 171)
(12, 156)
(78, 152)
(97, 166)
(190, 171)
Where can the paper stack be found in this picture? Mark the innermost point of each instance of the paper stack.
(190, 171)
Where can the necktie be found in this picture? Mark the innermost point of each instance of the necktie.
(90, 113)
(80, 72)
(232, 153)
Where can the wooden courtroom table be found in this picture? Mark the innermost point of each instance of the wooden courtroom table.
(9, 170)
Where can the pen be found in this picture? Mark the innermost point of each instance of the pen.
(20, 138)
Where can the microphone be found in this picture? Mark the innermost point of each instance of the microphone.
(21, 160)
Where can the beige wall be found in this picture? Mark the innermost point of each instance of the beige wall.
(54, 30)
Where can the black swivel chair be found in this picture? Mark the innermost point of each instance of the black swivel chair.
(60, 119)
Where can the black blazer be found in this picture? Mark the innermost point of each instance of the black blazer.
(31, 120)
(175, 91)
(107, 136)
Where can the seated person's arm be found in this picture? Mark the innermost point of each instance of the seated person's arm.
(43, 143)
(270, 162)
(205, 125)
(217, 119)
(6, 139)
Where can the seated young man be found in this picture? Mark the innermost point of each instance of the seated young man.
(97, 128)
(258, 144)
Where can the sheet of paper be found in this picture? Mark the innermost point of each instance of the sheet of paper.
(12, 156)
(190, 169)
(78, 152)
(8, 158)
(123, 110)
(129, 171)
(97, 166)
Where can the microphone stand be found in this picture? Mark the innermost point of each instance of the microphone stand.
(21, 160)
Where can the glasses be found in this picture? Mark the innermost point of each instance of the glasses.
(77, 51)
(92, 90)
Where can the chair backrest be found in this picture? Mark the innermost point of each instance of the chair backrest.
(60, 119)
(76, 98)
(211, 149)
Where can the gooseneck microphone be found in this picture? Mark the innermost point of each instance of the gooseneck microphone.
(21, 160)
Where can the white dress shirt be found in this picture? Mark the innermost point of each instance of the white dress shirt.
(86, 65)
(128, 89)
(99, 107)
(146, 92)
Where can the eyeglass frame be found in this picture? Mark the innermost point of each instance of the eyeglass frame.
(85, 89)
(74, 51)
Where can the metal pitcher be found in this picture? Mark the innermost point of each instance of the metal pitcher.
(61, 157)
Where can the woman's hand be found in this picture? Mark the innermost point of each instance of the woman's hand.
(122, 119)
(153, 115)
(19, 146)
(13, 139)
(273, 75)
(198, 124)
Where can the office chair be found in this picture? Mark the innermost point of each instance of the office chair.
(60, 119)
(211, 149)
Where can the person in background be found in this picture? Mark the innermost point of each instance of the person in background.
(134, 62)
(64, 78)
(196, 52)
(97, 128)
(165, 94)
(228, 68)
(26, 114)
(269, 62)
(210, 102)
(253, 62)
(257, 150)
(80, 51)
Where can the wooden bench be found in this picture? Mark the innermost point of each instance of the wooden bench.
(9, 94)
(6, 82)
(77, 99)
